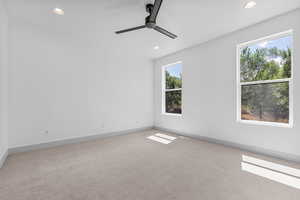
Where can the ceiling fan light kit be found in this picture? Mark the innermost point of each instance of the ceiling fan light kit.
(150, 21)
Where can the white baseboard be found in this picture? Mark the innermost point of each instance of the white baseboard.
(253, 149)
(3, 158)
(73, 140)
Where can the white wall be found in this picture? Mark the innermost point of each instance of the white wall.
(3, 80)
(62, 83)
(209, 90)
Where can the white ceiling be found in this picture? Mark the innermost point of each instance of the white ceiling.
(94, 21)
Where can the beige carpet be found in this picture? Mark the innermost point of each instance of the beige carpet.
(132, 167)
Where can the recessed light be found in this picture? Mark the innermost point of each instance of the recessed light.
(250, 4)
(156, 47)
(58, 11)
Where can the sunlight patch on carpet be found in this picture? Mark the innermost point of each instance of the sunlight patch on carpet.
(168, 137)
(273, 171)
(158, 139)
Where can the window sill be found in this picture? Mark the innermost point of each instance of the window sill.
(172, 114)
(261, 123)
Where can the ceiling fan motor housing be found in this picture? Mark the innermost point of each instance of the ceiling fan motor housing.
(148, 22)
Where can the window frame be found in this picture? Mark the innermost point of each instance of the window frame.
(164, 90)
(290, 80)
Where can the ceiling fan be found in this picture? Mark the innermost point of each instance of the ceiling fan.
(150, 21)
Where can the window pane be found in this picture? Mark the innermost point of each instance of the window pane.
(173, 102)
(268, 60)
(173, 76)
(266, 102)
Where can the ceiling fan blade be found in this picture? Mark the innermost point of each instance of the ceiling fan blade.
(165, 32)
(155, 10)
(130, 29)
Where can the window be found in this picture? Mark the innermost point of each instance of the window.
(265, 80)
(172, 89)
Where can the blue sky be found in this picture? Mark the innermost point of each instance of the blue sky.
(175, 70)
(281, 43)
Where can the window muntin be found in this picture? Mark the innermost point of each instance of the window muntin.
(172, 89)
(265, 80)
